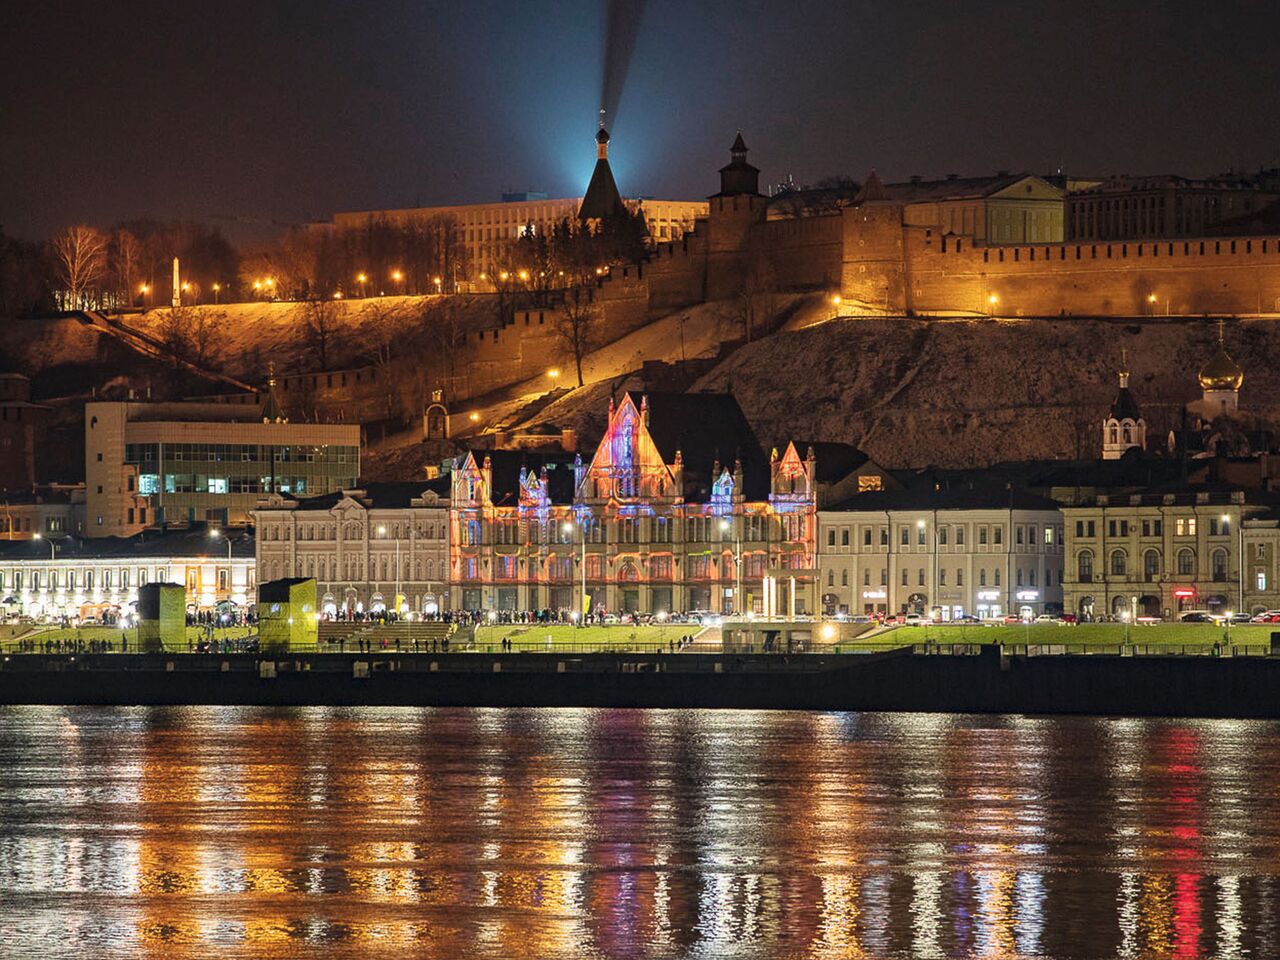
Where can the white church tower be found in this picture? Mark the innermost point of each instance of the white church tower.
(1124, 427)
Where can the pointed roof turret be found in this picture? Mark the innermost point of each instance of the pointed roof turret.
(602, 201)
(872, 190)
(738, 177)
(272, 412)
(1124, 406)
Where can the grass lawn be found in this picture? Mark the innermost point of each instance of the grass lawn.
(567, 637)
(1085, 633)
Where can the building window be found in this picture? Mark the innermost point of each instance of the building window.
(982, 536)
(844, 536)
(959, 536)
(982, 577)
(831, 538)
(942, 536)
(906, 536)
(1261, 578)
(904, 576)
(920, 534)
(1219, 565)
(959, 577)
(1151, 566)
(1186, 562)
(1117, 563)
(1084, 566)
(920, 580)
(942, 578)
(998, 535)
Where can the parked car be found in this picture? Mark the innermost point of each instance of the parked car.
(967, 618)
(1195, 616)
(1266, 616)
(1011, 618)
(1049, 618)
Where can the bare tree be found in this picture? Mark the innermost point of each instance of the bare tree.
(189, 334)
(574, 325)
(82, 260)
(320, 330)
(125, 256)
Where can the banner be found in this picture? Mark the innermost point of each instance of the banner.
(586, 604)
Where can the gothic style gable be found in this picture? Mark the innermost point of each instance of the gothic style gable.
(627, 464)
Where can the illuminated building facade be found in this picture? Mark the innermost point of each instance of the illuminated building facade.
(677, 510)
(78, 578)
(364, 547)
(153, 463)
(941, 553)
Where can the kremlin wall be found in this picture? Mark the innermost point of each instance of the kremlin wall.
(879, 264)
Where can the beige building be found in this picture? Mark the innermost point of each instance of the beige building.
(1163, 554)
(155, 463)
(941, 553)
(1163, 207)
(365, 547)
(1004, 209)
(485, 227)
(100, 577)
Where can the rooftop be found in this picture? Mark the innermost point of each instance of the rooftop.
(196, 540)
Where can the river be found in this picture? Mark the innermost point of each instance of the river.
(460, 833)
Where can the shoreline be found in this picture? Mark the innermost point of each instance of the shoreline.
(979, 679)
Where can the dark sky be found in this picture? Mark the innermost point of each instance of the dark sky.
(290, 111)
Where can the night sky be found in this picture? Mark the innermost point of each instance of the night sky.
(290, 111)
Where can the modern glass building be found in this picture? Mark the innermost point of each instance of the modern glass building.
(152, 463)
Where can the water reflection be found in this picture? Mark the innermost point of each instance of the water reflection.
(248, 832)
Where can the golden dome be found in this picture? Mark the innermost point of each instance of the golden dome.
(1221, 373)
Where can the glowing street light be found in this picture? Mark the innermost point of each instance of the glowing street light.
(503, 276)
(437, 281)
(214, 534)
(524, 275)
(52, 545)
(217, 289)
(474, 417)
(554, 373)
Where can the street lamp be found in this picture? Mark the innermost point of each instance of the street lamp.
(1239, 553)
(398, 278)
(567, 528)
(382, 532)
(362, 279)
(554, 373)
(725, 526)
(145, 290)
(217, 288)
(992, 302)
(52, 545)
(214, 534)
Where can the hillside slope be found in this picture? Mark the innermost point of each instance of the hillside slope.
(913, 392)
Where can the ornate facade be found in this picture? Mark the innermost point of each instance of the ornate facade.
(378, 548)
(654, 522)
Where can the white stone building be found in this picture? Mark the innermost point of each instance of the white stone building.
(942, 553)
(365, 547)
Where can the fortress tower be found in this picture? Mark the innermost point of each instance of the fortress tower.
(602, 201)
(739, 203)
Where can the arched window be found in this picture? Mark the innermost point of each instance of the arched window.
(1113, 434)
(1186, 562)
(1118, 559)
(1219, 565)
(997, 580)
(1084, 566)
(1151, 566)
(1128, 436)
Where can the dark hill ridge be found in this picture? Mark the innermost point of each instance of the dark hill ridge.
(914, 392)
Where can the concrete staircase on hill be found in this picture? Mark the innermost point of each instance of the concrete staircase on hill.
(383, 636)
(532, 408)
(144, 343)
